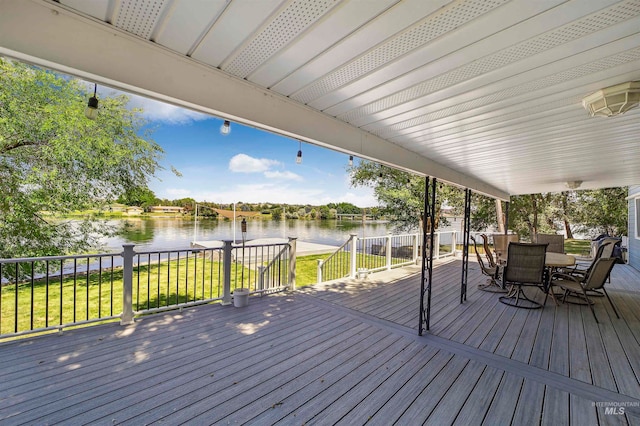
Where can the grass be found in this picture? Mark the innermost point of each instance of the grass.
(68, 299)
(577, 247)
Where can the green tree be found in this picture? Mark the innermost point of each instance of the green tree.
(602, 211)
(54, 160)
(345, 208)
(138, 196)
(401, 197)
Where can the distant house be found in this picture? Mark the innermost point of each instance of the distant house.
(166, 209)
(117, 207)
(134, 210)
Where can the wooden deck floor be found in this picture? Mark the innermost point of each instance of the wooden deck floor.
(345, 353)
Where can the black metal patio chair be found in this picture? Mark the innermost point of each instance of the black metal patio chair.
(580, 286)
(525, 267)
(490, 269)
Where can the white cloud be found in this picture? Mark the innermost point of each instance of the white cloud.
(178, 192)
(152, 109)
(242, 163)
(286, 175)
(159, 111)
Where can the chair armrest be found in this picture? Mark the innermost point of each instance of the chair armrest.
(563, 276)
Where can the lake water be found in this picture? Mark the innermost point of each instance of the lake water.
(170, 233)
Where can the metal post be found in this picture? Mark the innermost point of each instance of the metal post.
(388, 252)
(506, 218)
(292, 263)
(126, 317)
(430, 266)
(465, 244)
(427, 257)
(226, 267)
(354, 255)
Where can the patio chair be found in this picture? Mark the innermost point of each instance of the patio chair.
(491, 270)
(525, 267)
(580, 286)
(556, 242)
(501, 244)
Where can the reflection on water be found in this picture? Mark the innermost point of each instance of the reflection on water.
(169, 233)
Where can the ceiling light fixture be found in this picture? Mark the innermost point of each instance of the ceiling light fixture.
(613, 100)
(350, 160)
(299, 156)
(91, 111)
(573, 184)
(225, 129)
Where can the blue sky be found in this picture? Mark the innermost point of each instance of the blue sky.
(248, 165)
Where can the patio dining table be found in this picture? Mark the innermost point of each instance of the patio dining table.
(558, 260)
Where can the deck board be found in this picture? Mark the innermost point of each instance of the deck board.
(345, 352)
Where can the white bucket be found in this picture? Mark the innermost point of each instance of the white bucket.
(240, 297)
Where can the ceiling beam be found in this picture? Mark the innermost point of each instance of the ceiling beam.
(49, 35)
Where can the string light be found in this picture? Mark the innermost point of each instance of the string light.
(91, 111)
(225, 129)
(299, 156)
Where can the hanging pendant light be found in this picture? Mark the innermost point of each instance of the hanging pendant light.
(225, 129)
(299, 156)
(350, 160)
(91, 111)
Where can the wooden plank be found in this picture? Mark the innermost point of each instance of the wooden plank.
(541, 350)
(182, 397)
(74, 367)
(115, 382)
(556, 407)
(559, 356)
(529, 403)
(369, 406)
(510, 338)
(401, 400)
(359, 391)
(582, 412)
(480, 398)
(335, 387)
(501, 408)
(447, 409)
(432, 394)
(579, 367)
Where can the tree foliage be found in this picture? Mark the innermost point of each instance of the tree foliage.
(401, 197)
(54, 160)
(590, 212)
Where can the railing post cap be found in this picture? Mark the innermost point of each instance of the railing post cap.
(292, 238)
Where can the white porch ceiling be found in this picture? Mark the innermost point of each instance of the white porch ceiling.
(482, 93)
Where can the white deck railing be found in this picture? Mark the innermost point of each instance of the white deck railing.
(362, 256)
(48, 293)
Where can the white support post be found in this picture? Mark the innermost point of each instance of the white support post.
(226, 266)
(292, 263)
(126, 317)
(319, 273)
(415, 248)
(388, 251)
(261, 279)
(354, 255)
(454, 242)
(436, 246)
